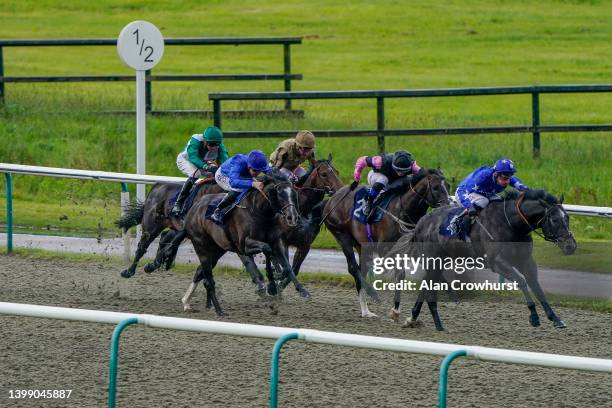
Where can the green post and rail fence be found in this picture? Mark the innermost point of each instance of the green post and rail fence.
(286, 76)
(381, 131)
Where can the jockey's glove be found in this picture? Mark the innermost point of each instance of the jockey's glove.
(354, 185)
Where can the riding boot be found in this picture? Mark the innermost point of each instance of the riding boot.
(177, 210)
(227, 200)
(468, 217)
(371, 199)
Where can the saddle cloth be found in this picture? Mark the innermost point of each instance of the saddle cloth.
(210, 209)
(451, 227)
(359, 201)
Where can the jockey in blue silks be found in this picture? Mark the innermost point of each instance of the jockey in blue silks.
(237, 174)
(483, 183)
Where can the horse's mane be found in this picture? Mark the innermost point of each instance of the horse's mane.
(534, 195)
(425, 172)
(275, 175)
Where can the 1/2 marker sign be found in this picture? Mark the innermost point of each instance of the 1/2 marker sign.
(140, 45)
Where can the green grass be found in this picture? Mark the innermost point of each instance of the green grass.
(361, 45)
(345, 281)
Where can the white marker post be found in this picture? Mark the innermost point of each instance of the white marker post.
(140, 46)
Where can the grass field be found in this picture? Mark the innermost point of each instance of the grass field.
(361, 45)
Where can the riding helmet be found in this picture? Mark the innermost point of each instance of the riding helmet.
(257, 161)
(305, 138)
(213, 134)
(402, 161)
(504, 165)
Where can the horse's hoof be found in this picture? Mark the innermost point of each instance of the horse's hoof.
(412, 323)
(272, 290)
(304, 293)
(369, 314)
(534, 321)
(283, 284)
(560, 324)
(439, 328)
(150, 267)
(189, 309)
(393, 315)
(126, 273)
(261, 291)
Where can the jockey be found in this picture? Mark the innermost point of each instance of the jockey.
(483, 183)
(389, 171)
(202, 156)
(237, 175)
(291, 153)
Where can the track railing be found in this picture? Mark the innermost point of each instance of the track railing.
(284, 334)
(380, 95)
(287, 76)
(124, 178)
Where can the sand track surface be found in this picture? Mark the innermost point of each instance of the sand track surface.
(163, 368)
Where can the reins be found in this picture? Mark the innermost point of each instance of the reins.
(523, 217)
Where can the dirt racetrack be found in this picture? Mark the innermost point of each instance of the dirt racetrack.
(163, 368)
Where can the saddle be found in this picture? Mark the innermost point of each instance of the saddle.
(210, 209)
(206, 180)
(189, 201)
(452, 227)
(376, 213)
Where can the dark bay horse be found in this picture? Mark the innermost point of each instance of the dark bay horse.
(426, 189)
(249, 229)
(503, 236)
(154, 217)
(321, 179)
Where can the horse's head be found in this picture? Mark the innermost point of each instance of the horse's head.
(282, 197)
(322, 176)
(431, 186)
(545, 211)
(555, 225)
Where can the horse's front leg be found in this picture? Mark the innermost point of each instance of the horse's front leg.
(279, 255)
(252, 247)
(256, 277)
(529, 269)
(394, 313)
(505, 269)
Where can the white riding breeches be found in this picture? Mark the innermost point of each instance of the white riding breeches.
(224, 182)
(376, 177)
(186, 167)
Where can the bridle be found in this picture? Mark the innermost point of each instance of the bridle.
(404, 214)
(428, 192)
(539, 223)
(283, 209)
(325, 190)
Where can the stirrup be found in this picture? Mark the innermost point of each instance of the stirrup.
(216, 216)
(176, 211)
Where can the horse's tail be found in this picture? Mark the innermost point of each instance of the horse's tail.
(132, 216)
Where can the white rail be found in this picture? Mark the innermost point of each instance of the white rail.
(584, 210)
(86, 174)
(313, 336)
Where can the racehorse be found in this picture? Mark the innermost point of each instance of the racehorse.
(154, 216)
(499, 224)
(428, 188)
(249, 228)
(320, 180)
